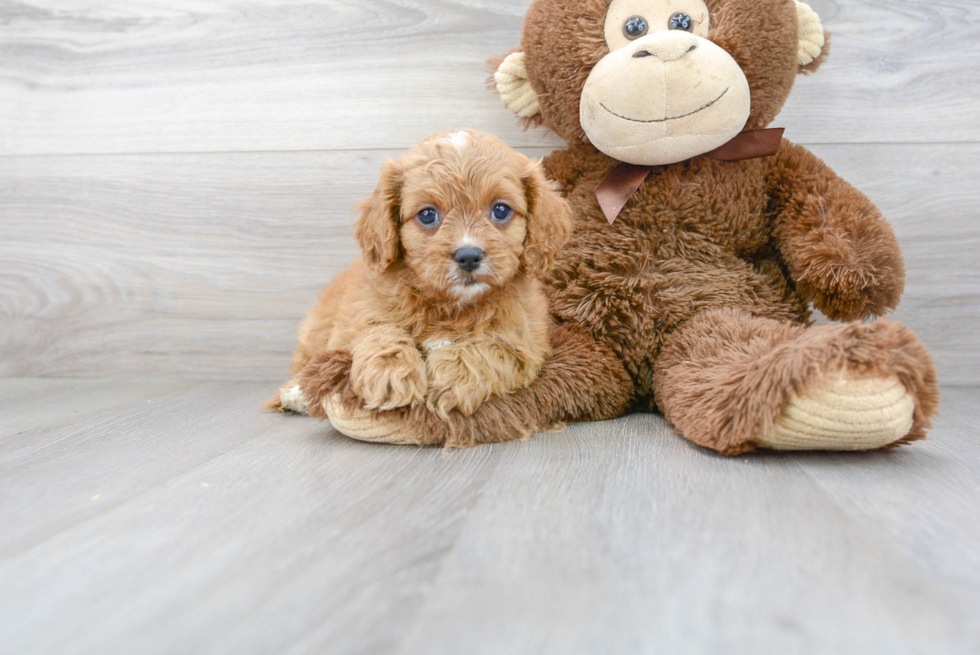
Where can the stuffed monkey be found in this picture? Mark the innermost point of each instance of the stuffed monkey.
(701, 242)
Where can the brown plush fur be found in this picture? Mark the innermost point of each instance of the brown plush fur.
(726, 374)
(417, 326)
(701, 289)
(773, 235)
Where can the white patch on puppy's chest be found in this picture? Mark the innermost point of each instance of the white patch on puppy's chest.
(437, 344)
(293, 400)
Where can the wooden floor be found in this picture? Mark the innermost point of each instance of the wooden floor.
(172, 517)
(176, 181)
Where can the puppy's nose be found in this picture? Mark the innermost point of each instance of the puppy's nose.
(468, 259)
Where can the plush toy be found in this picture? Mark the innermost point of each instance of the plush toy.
(701, 240)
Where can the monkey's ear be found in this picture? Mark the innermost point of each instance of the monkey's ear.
(549, 220)
(514, 88)
(812, 40)
(376, 229)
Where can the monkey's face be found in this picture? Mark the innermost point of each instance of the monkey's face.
(655, 82)
(664, 93)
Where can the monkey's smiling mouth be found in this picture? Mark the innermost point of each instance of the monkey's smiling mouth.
(669, 118)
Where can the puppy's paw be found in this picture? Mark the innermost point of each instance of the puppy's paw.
(293, 400)
(391, 378)
(453, 384)
(289, 398)
(443, 401)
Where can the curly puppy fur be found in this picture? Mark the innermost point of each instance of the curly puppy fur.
(418, 325)
(581, 381)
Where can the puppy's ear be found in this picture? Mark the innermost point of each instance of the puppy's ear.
(376, 229)
(549, 220)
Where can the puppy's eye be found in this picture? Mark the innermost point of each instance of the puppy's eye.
(428, 217)
(501, 212)
(635, 27)
(680, 21)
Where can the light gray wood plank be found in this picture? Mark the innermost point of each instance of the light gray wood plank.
(221, 530)
(33, 412)
(623, 538)
(881, 82)
(202, 266)
(925, 499)
(246, 76)
(100, 77)
(50, 474)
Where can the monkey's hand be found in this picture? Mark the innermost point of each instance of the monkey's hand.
(838, 248)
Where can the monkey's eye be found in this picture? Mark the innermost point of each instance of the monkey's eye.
(428, 217)
(680, 21)
(635, 27)
(501, 212)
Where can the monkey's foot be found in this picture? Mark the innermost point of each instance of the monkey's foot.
(365, 424)
(843, 412)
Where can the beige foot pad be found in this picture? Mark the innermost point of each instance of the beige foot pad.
(843, 413)
(365, 424)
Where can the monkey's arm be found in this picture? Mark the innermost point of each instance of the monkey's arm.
(838, 248)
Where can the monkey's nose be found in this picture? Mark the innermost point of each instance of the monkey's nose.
(468, 259)
(670, 47)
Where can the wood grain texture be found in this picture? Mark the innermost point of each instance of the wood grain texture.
(175, 183)
(195, 524)
(199, 75)
(202, 265)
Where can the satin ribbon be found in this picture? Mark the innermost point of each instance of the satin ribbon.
(622, 182)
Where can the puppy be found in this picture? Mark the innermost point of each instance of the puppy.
(444, 305)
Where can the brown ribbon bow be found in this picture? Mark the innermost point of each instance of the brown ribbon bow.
(622, 182)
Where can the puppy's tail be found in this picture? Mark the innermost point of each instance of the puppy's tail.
(273, 404)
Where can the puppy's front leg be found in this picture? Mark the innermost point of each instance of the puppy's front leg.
(387, 370)
(462, 376)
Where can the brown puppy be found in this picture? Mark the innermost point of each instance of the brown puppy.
(444, 307)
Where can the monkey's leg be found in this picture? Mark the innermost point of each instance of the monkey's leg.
(733, 382)
(581, 381)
